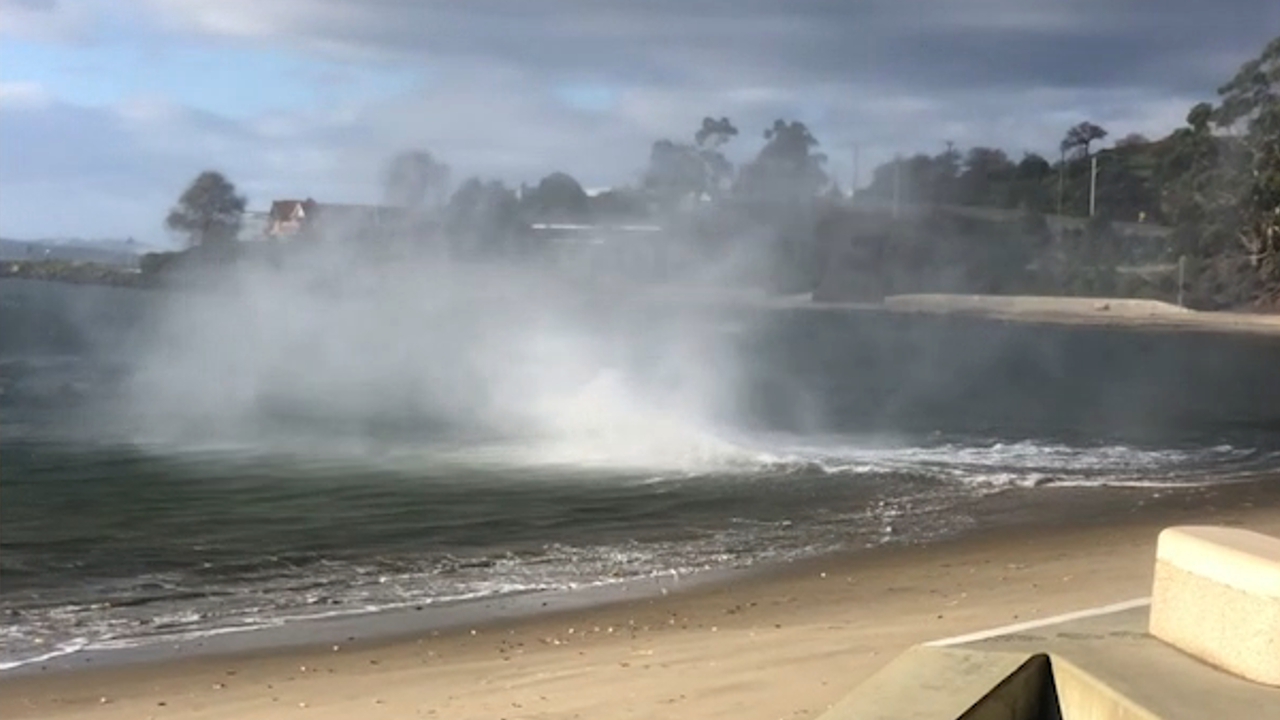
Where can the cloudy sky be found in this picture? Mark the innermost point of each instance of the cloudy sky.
(107, 107)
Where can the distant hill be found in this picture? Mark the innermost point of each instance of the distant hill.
(105, 252)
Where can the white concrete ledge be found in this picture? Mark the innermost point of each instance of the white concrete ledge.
(1242, 559)
(1216, 596)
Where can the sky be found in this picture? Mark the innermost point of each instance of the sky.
(109, 107)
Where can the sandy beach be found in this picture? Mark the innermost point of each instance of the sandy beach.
(781, 644)
(1130, 313)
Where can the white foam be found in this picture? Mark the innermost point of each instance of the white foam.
(490, 589)
(1027, 464)
(65, 648)
(921, 506)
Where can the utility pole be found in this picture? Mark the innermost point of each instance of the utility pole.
(1182, 278)
(948, 189)
(897, 183)
(1093, 184)
(1062, 177)
(853, 189)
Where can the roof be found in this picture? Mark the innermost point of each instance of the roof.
(310, 210)
(287, 209)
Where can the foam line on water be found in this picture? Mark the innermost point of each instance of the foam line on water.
(63, 649)
(684, 451)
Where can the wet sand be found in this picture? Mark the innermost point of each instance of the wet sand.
(783, 644)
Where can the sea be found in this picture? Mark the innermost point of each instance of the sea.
(184, 464)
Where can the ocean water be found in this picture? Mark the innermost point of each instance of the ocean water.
(149, 498)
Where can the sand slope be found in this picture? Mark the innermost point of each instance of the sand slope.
(1126, 312)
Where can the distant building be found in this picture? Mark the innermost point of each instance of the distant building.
(288, 218)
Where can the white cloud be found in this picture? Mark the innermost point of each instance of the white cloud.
(48, 20)
(891, 77)
(23, 95)
(487, 121)
(124, 165)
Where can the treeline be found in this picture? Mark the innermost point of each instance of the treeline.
(72, 271)
(1129, 178)
(688, 188)
(1214, 181)
(680, 176)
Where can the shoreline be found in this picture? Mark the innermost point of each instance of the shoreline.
(1123, 313)
(841, 616)
(384, 625)
(1019, 508)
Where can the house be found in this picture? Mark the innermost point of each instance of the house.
(288, 218)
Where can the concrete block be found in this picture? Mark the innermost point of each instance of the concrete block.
(945, 684)
(1085, 666)
(1216, 596)
(1080, 694)
(928, 683)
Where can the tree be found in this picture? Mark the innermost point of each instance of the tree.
(209, 211)
(1200, 116)
(675, 171)
(1126, 188)
(987, 178)
(414, 178)
(1132, 140)
(1253, 91)
(944, 174)
(919, 178)
(1196, 182)
(1033, 173)
(1081, 136)
(787, 169)
(678, 170)
(924, 179)
(1251, 103)
(1220, 180)
(717, 171)
(714, 133)
(558, 197)
(482, 216)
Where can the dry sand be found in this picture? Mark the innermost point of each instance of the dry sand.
(1122, 312)
(786, 644)
(1130, 313)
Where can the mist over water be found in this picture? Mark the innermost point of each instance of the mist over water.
(334, 437)
(434, 353)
